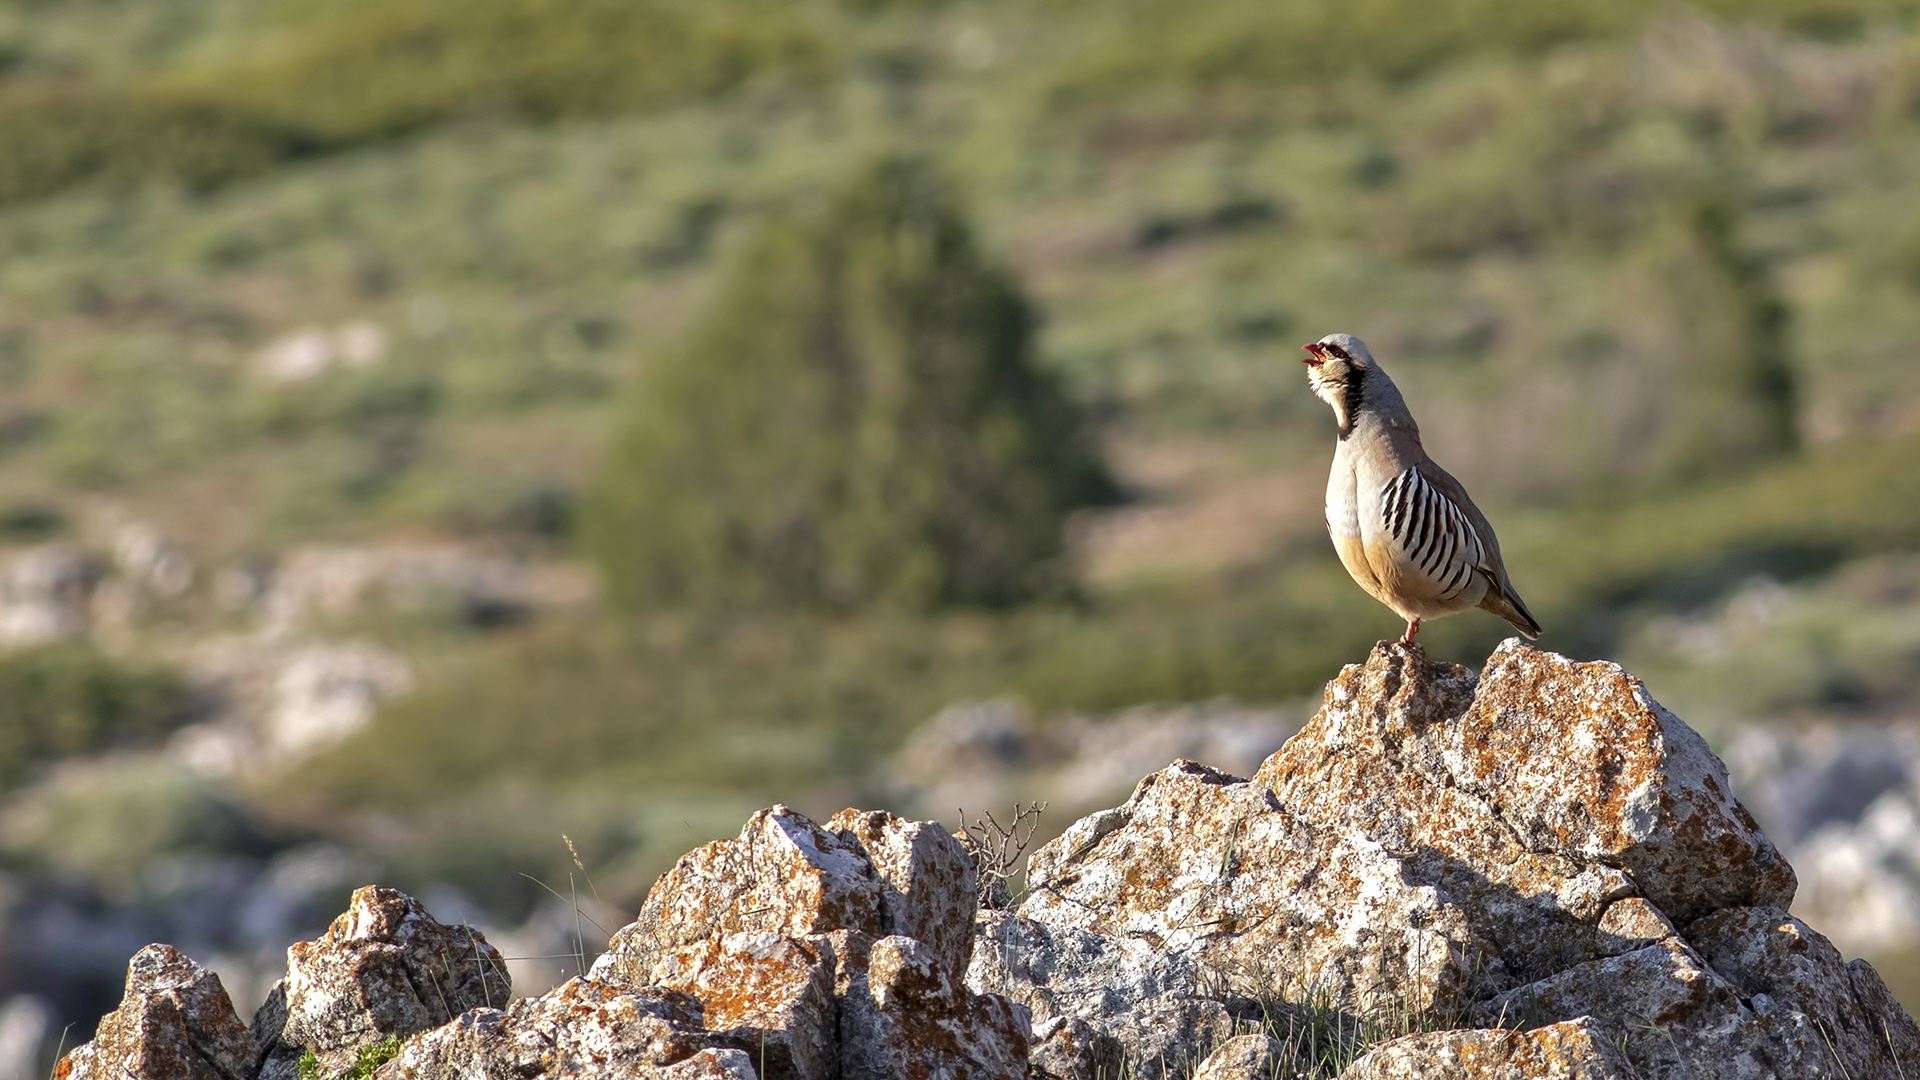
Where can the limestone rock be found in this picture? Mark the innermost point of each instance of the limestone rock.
(174, 1023)
(1068, 1048)
(1800, 989)
(1532, 845)
(799, 943)
(1541, 851)
(385, 967)
(1153, 1003)
(1679, 1017)
(783, 875)
(1572, 1050)
(768, 995)
(906, 1016)
(584, 1027)
(1587, 765)
(926, 880)
(1210, 866)
(1243, 1057)
(1535, 796)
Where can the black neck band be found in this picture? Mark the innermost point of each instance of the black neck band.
(1350, 404)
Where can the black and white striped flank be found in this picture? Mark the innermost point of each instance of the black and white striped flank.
(1432, 532)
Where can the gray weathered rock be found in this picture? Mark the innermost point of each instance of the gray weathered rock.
(904, 1015)
(1751, 994)
(1157, 1004)
(1795, 980)
(770, 995)
(926, 880)
(385, 967)
(1243, 1057)
(800, 939)
(1542, 842)
(1585, 764)
(175, 1023)
(1678, 1017)
(783, 875)
(1210, 867)
(1572, 1050)
(1068, 1048)
(584, 1027)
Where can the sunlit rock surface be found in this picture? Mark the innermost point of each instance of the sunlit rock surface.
(1570, 1050)
(175, 1023)
(385, 967)
(1531, 871)
(1527, 845)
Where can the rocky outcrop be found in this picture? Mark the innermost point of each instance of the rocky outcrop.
(841, 950)
(175, 1023)
(384, 968)
(1537, 843)
(1533, 871)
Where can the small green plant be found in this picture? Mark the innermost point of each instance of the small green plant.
(365, 1063)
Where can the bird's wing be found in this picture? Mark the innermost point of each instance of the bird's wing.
(1437, 531)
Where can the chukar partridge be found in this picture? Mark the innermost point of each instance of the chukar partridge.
(1403, 527)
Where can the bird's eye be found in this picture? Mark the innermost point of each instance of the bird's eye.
(1338, 351)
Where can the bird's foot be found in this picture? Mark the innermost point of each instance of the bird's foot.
(1400, 643)
(1413, 627)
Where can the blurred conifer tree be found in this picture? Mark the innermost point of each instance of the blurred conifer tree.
(1733, 394)
(856, 420)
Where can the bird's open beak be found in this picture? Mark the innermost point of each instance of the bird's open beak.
(1314, 351)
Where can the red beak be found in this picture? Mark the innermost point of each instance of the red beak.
(1315, 348)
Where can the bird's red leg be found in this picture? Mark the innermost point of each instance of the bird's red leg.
(1413, 627)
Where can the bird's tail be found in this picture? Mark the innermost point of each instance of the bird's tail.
(1506, 603)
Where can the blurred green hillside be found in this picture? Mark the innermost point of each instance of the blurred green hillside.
(1649, 275)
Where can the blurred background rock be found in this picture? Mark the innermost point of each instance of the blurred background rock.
(429, 429)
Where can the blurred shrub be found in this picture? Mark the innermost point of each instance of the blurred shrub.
(857, 419)
(1216, 43)
(62, 700)
(105, 821)
(50, 139)
(1732, 387)
(377, 67)
(326, 76)
(1849, 640)
(773, 703)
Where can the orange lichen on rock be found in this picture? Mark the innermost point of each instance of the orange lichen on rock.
(1571, 1050)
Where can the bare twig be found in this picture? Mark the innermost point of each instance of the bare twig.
(997, 851)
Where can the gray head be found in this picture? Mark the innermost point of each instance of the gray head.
(1344, 375)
